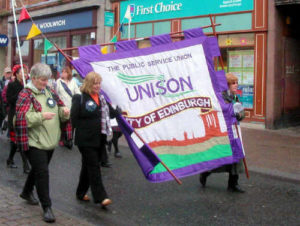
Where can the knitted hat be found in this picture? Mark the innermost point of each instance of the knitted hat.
(17, 67)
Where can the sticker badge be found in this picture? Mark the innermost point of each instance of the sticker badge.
(51, 102)
(90, 106)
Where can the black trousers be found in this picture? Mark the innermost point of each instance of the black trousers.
(90, 174)
(39, 174)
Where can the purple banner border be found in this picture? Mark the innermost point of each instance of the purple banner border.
(226, 108)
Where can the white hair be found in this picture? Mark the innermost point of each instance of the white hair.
(40, 70)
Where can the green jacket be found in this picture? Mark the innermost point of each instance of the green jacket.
(44, 134)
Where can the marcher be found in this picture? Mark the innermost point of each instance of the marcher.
(38, 114)
(90, 116)
(6, 77)
(233, 169)
(13, 90)
(7, 73)
(76, 79)
(66, 87)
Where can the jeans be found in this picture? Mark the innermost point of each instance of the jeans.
(39, 174)
(90, 174)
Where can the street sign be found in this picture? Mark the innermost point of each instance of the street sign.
(109, 19)
(3, 40)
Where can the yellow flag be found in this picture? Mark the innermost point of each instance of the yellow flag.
(34, 31)
(104, 50)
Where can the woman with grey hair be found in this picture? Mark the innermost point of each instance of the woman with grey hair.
(38, 114)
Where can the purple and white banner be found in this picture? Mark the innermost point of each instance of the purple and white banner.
(172, 97)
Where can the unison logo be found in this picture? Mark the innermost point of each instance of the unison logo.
(151, 86)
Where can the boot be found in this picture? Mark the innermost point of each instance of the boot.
(48, 215)
(29, 198)
(10, 161)
(233, 185)
(116, 147)
(118, 154)
(203, 177)
(26, 167)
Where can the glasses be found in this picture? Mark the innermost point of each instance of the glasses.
(233, 83)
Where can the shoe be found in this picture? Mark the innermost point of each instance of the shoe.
(11, 164)
(26, 170)
(106, 202)
(48, 215)
(236, 188)
(29, 198)
(233, 185)
(106, 164)
(68, 144)
(118, 155)
(85, 198)
(203, 177)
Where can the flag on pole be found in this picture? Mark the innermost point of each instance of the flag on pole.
(128, 14)
(121, 28)
(47, 45)
(114, 39)
(23, 15)
(104, 50)
(34, 31)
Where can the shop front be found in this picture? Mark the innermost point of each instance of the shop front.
(62, 26)
(241, 34)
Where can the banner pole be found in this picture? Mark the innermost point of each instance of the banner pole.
(146, 38)
(215, 34)
(18, 41)
(244, 159)
(167, 168)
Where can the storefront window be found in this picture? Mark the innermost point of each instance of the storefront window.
(195, 23)
(144, 30)
(38, 50)
(54, 59)
(237, 52)
(162, 28)
(24, 47)
(240, 62)
(80, 40)
(245, 39)
(124, 33)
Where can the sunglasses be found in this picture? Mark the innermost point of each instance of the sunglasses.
(233, 83)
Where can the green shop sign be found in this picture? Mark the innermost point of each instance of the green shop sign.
(149, 10)
(109, 18)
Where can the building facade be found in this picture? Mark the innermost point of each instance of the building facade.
(242, 36)
(259, 41)
(66, 23)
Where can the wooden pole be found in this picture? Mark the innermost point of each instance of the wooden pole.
(167, 168)
(139, 39)
(215, 34)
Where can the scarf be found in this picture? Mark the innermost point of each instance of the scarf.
(24, 101)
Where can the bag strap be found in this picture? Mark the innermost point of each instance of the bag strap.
(66, 88)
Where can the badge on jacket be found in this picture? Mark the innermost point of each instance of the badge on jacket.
(90, 106)
(51, 102)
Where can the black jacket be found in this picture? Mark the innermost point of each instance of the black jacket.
(87, 121)
(13, 90)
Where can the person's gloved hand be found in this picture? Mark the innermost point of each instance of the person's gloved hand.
(118, 110)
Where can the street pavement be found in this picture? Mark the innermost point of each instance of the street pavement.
(272, 193)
